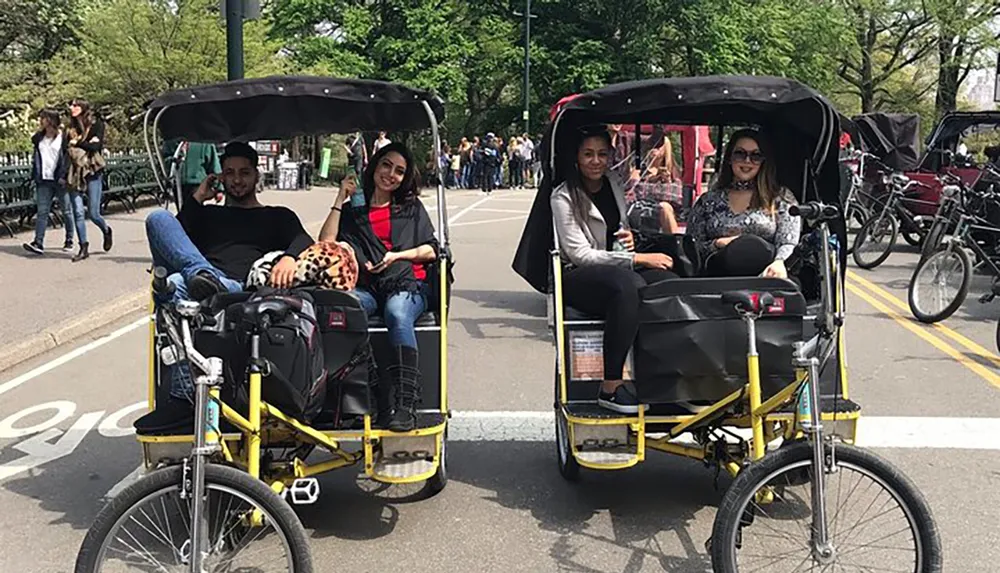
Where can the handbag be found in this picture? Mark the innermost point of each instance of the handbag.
(681, 248)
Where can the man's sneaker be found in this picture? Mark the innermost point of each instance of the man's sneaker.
(34, 247)
(623, 400)
(67, 247)
(204, 285)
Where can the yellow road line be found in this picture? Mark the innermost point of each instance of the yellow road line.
(925, 334)
(950, 333)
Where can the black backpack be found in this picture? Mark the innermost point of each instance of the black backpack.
(291, 353)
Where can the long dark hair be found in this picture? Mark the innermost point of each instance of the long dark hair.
(51, 116)
(408, 190)
(85, 120)
(768, 189)
(574, 181)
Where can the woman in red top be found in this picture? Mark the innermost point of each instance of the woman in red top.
(393, 239)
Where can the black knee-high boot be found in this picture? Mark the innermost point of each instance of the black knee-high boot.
(404, 374)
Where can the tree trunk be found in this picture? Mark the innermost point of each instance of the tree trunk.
(949, 67)
(866, 89)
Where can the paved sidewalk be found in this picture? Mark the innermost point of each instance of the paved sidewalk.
(49, 300)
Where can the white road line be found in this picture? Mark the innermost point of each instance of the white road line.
(501, 220)
(31, 374)
(873, 432)
(468, 209)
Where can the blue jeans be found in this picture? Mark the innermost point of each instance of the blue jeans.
(45, 193)
(75, 216)
(400, 314)
(172, 249)
(95, 191)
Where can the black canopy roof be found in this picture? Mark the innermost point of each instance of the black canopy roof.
(892, 137)
(279, 107)
(782, 105)
(945, 135)
(802, 125)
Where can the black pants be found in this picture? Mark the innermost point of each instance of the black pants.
(745, 256)
(489, 177)
(611, 292)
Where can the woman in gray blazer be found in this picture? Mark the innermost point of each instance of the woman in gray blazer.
(602, 273)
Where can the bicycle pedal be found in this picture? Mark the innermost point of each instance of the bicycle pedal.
(304, 491)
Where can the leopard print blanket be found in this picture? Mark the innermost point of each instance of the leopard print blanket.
(327, 265)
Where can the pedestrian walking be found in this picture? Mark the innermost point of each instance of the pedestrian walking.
(49, 166)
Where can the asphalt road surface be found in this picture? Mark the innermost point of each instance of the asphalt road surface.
(930, 397)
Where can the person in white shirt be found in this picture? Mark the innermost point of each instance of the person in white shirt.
(49, 165)
(381, 142)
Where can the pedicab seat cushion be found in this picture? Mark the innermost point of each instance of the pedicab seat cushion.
(573, 314)
(692, 347)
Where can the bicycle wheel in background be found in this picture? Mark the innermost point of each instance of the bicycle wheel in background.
(877, 520)
(856, 216)
(147, 527)
(934, 237)
(940, 284)
(874, 242)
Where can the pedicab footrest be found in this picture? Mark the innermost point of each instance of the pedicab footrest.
(828, 405)
(593, 411)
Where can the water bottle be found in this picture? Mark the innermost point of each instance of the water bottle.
(618, 245)
(212, 422)
(805, 406)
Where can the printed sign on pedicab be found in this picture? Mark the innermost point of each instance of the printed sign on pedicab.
(586, 356)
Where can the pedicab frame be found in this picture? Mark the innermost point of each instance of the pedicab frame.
(281, 107)
(809, 120)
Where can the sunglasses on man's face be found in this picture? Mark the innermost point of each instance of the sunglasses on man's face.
(741, 155)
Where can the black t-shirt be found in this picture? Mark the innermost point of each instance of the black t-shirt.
(606, 204)
(232, 239)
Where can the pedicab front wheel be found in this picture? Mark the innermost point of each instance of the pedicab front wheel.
(147, 527)
(874, 516)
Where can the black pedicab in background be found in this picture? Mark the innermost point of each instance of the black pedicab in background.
(254, 438)
(754, 348)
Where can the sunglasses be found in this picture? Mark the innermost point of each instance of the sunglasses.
(741, 155)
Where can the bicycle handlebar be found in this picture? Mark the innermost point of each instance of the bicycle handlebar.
(815, 210)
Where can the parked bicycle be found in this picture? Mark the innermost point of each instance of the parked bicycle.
(890, 216)
(940, 283)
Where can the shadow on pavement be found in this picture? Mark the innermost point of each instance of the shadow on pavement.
(73, 487)
(650, 507)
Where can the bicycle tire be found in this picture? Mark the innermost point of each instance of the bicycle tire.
(569, 468)
(933, 239)
(284, 518)
(750, 480)
(863, 236)
(998, 336)
(963, 289)
(859, 214)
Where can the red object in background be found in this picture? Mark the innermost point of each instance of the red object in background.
(845, 139)
(696, 144)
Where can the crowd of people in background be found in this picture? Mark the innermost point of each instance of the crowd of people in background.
(485, 163)
(490, 163)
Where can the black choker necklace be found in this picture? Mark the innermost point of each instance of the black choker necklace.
(744, 185)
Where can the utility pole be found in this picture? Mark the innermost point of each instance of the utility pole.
(527, 63)
(235, 12)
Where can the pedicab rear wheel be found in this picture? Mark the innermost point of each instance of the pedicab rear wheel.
(569, 468)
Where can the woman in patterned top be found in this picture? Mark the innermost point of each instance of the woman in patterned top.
(742, 226)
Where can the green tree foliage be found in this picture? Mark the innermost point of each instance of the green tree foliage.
(962, 40)
(865, 55)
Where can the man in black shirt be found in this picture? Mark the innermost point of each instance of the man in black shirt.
(210, 249)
